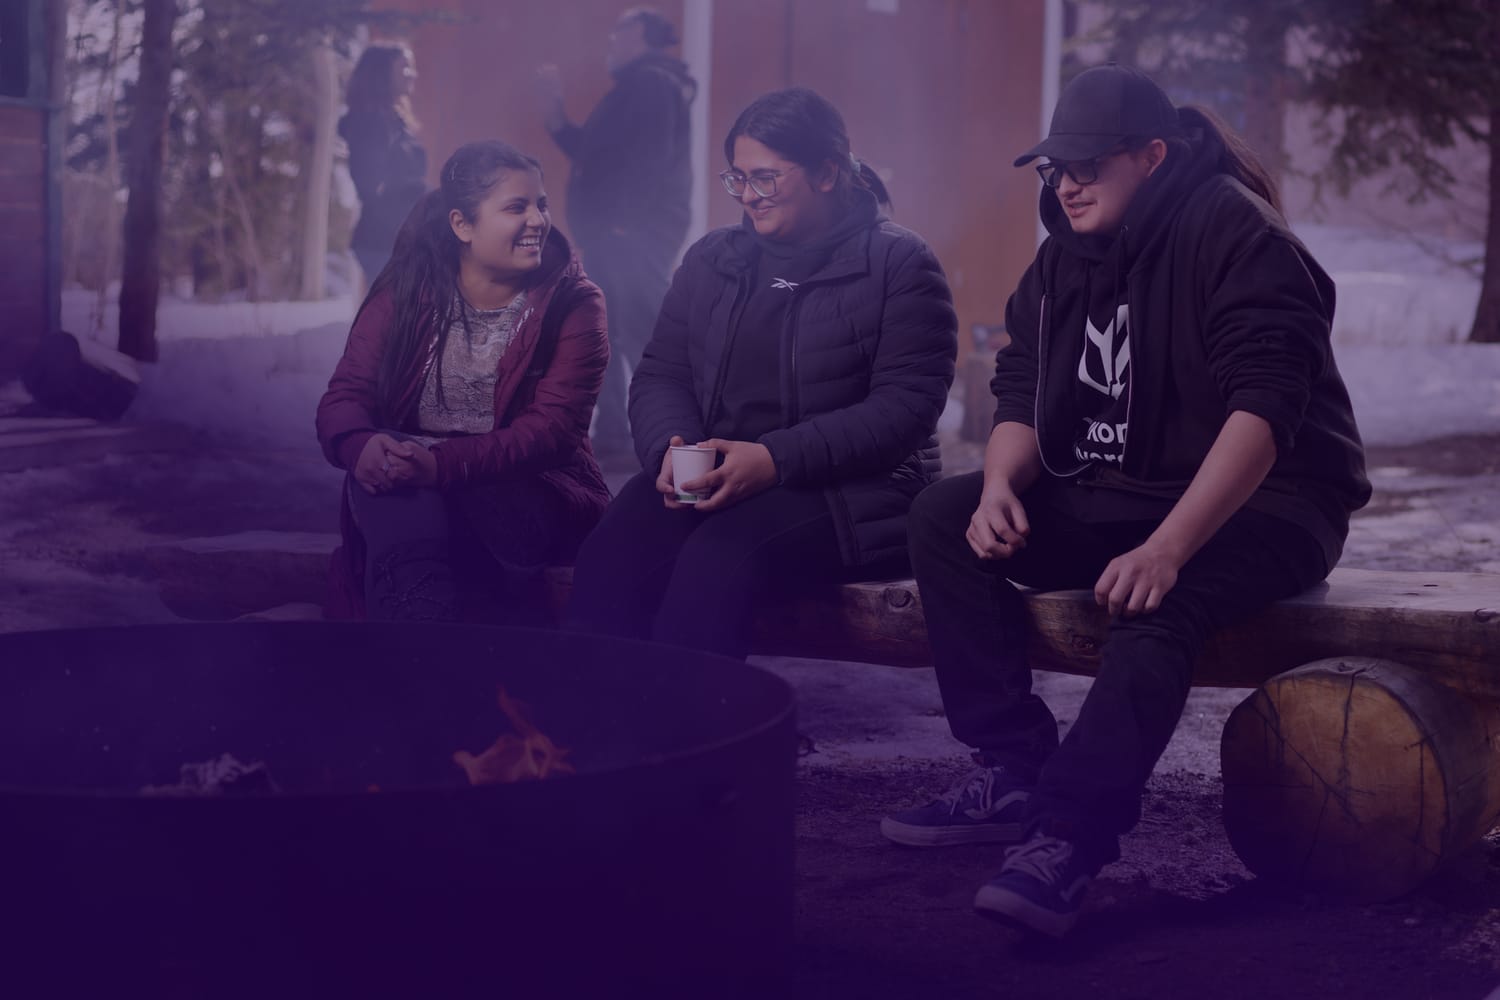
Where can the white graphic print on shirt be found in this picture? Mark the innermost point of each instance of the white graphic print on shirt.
(1104, 366)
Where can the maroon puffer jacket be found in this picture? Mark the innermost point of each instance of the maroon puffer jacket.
(542, 409)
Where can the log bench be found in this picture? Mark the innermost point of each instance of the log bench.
(1367, 755)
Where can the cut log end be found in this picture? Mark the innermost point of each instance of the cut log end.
(1358, 777)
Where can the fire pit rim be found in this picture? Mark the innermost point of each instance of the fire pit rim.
(406, 793)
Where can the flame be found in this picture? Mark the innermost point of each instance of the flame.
(525, 755)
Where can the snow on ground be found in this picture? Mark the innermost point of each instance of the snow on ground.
(1392, 291)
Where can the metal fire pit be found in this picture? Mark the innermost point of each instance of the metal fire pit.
(662, 867)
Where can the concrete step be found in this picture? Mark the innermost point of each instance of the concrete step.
(223, 577)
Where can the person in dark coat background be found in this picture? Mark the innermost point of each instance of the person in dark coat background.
(460, 408)
(1171, 431)
(812, 346)
(387, 164)
(628, 193)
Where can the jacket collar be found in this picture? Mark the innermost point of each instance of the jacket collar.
(739, 252)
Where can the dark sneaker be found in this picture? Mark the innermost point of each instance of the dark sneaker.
(1040, 887)
(984, 808)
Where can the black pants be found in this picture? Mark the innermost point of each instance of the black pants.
(634, 276)
(691, 579)
(472, 553)
(1089, 788)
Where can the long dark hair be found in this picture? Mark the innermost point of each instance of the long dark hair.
(370, 83)
(1238, 160)
(422, 274)
(803, 126)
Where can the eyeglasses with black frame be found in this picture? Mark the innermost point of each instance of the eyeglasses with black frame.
(1083, 172)
(762, 182)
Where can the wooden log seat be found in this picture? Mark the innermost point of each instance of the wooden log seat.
(1368, 755)
(1358, 776)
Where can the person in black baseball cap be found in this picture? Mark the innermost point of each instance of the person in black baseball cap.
(1102, 108)
(1170, 431)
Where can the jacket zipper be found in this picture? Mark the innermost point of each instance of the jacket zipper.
(795, 401)
(716, 400)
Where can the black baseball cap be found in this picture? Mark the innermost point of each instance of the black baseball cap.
(1100, 107)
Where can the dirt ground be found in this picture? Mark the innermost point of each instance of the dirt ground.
(1179, 916)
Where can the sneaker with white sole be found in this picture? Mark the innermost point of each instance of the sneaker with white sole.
(986, 807)
(1040, 887)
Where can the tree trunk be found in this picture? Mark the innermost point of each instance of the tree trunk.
(108, 84)
(1266, 89)
(1487, 316)
(140, 284)
(320, 173)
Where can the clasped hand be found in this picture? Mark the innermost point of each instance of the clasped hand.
(385, 464)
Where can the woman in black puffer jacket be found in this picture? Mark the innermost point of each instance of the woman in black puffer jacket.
(812, 347)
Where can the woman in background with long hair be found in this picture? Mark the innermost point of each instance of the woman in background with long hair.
(461, 405)
(387, 163)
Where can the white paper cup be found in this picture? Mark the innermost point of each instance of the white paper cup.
(690, 462)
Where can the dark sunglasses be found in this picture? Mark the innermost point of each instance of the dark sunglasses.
(1084, 172)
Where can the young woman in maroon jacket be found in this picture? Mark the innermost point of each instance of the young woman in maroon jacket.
(461, 406)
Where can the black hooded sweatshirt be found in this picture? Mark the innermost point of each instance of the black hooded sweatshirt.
(1226, 311)
(632, 173)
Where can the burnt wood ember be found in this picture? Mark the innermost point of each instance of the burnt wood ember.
(662, 867)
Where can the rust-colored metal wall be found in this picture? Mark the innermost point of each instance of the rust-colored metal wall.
(939, 95)
(24, 257)
(476, 74)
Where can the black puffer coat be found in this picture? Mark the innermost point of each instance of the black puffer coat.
(867, 357)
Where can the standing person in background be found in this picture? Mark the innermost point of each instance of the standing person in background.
(628, 194)
(387, 164)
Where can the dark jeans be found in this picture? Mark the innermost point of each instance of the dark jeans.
(634, 277)
(472, 553)
(1089, 788)
(691, 579)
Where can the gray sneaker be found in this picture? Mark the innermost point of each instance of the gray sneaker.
(986, 807)
(1040, 887)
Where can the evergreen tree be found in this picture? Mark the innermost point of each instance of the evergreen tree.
(1398, 83)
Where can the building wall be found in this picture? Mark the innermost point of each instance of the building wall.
(476, 75)
(28, 262)
(939, 96)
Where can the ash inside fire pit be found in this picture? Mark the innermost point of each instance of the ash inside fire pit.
(661, 867)
(224, 775)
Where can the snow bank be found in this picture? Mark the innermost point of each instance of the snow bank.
(1392, 291)
(257, 387)
(179, 319)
